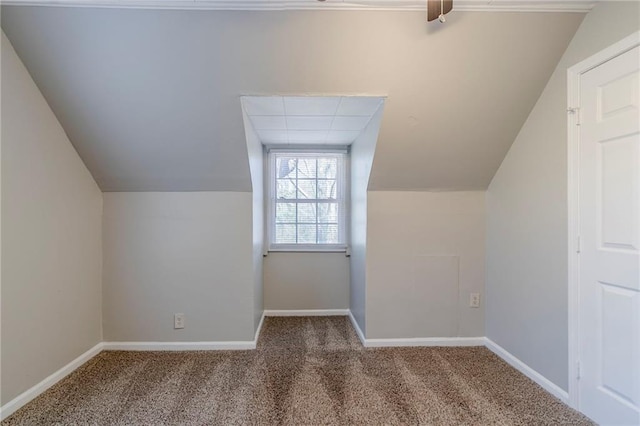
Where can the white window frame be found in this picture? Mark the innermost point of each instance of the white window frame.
(341, 199)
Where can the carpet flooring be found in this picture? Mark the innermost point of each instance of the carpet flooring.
(305, 371)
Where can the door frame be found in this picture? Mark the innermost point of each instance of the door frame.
(574, 75)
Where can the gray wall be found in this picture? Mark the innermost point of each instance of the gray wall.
(527, 214)
(51, 240)
(425, 255)
(168, 252)
(306, 281)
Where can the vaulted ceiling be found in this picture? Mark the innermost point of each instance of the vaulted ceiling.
(151, 98)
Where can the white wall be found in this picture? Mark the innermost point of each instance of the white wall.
(306, 281)
(51, 239)
(425, 254)
(331, 280)
(362, 152)
(527, 214)
(169, 252)
(2, 39)
(255, 152)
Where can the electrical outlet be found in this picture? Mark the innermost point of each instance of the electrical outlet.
(178, 321)
(474, 300)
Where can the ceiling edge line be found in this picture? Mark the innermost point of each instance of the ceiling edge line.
(243, 5)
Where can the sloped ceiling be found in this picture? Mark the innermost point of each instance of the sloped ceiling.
(151, 98)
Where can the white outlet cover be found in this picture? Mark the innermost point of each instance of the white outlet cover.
(178, 321)
(474, 300)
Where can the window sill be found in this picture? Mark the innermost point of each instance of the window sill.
(307, 249)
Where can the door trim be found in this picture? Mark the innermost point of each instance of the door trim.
(574, 74)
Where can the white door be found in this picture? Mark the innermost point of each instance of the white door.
(609, 339)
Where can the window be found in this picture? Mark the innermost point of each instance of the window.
(307, 209)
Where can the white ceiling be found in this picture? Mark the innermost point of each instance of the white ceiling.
(309, 120)
(150, 99)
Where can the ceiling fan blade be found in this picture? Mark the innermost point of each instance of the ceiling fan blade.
(434, 8)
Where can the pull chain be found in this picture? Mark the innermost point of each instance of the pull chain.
(441, 18)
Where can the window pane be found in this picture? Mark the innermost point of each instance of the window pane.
(285, 234)
(286, 189)
(306, 168)
(306, 234)
(307, 189)
(328, 234)
(308, 199)
(327, 189)
(285, 213)
(328, 212)
(307, 213)
(327, 168)
(286, 167)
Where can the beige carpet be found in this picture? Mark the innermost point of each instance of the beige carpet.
(306, 371)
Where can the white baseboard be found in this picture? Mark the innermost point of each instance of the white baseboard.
(545, 383)
(305, 312)
(359, 332)
(239, 345)
(30, 394)
(187, 346)
(425, 341)
(414, 341)
(258, 330)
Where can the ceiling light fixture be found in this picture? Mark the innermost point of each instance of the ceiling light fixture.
(436, 9)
